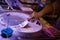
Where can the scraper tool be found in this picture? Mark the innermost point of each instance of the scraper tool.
(23, 24)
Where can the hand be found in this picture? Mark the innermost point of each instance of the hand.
(35, 15)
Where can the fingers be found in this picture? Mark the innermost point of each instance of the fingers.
(30, 18)
(34, 15)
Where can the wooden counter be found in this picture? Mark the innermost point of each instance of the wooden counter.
(44, 22)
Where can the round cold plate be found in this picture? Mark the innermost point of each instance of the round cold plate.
(13, 19)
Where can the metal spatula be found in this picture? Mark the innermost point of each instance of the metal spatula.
(23, 24)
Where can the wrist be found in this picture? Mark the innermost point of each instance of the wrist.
(41, 14)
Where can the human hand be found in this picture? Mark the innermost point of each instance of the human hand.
(35, 15)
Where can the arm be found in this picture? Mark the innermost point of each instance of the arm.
(47, 9)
